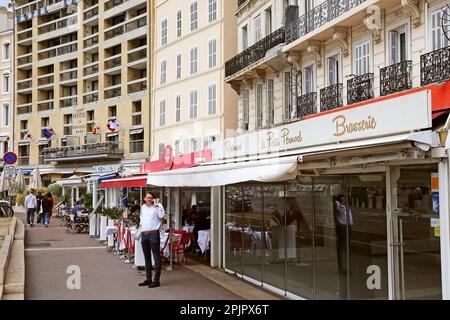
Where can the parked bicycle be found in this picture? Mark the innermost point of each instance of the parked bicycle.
(5, 209)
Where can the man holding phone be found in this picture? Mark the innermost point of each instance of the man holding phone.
(151, 215)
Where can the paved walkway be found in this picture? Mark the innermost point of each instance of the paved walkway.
(49, 252)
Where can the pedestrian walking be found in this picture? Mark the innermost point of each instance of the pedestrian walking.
(47, 208)
(151, 215)
(30, 206)
(39, 198)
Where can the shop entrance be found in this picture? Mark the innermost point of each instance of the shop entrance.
(414, 233)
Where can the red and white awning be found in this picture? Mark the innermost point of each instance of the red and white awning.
(129, 182)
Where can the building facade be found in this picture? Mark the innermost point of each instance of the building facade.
(192, 107)
(6, 79)
(82, 84)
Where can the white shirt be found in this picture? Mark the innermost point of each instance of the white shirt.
(342, 213)
(30, 201)
(151, 217)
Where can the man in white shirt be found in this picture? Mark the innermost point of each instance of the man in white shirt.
(151, 215)
(30, 205)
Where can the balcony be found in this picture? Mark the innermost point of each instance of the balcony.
(68, 75)
(113, 62)
(91, 41)
(83, 153)
(46, 80)
(90, 97)
(136, 146)
(360, 88)
(67, 102)
(93, 69)
(113, 3)
(25, 61)
(241, 2)
(435, 66)
(57, 25)
(396, 78)
(307, 105)
(127, 26)
(24, 35)
(137, 54)
(317, 17)
(24, 108)
(56, 52)
(331, 97)
(45, 105)
(254, 53)
(24, 85)
(91, 13)
(137, 85)
(113, 91)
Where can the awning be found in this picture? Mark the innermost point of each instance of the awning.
(107, 176)
(41, 142)
(136, 131)
(269, 170)
(4, 138)
(112, 134)
(129, 182)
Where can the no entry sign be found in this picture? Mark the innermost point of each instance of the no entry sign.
(10, 158)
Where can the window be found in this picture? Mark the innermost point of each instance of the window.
(246, 111)
(193, 104)
(179, 23)
(397, 45)
(5, 115)
(194, 16)
(161, 147)
(212, 48)
(179, 66)
(45, 122)
(194, 56)
(112, 111)
(438, 38)
(333, 70)
(212, 97)
(178, 109)
(268, 13)
(164, 32)
(6, 83)
(137, 141)
(207, 142)
(270, 102)
(212, 10)
(287, 96)
(195, 144)
(308, 79)
(362, 58)
(177, 147)
(244, 38)
(163, 72)
(162, 113)
(6, 51)
(136, 115)
(259, 106)
(258, 28)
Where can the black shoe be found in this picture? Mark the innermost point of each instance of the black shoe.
(145, 283)
(154, 284)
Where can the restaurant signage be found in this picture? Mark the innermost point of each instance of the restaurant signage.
(383, 117)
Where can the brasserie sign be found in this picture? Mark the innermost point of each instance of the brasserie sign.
(383, 117)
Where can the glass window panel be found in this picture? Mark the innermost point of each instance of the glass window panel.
(233, 227)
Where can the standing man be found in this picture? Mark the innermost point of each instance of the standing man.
(30, 205)
(151, 215)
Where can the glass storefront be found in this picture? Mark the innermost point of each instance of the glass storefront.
(314, 237)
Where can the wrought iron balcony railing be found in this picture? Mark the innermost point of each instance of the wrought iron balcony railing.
(360, 88)
(396, 78)
(254, 53)
(435, 66)
(331, 97)
(241, 2)
(105, 150)
(306, 104)
(317, 17)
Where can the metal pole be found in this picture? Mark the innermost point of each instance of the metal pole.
(170, 267)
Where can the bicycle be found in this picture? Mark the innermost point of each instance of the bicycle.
(5, 209)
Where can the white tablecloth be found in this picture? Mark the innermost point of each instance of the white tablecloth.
(204, 237)
(175, 240)
(188, 229)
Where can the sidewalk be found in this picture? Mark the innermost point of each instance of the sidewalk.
(48, 253)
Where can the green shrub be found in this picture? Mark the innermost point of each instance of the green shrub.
(20, 199)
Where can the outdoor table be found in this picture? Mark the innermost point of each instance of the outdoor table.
(204, 237)
(175, 239)
(188, 229)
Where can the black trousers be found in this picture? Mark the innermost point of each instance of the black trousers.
(341, 244)
(151, 244)
(30, 215)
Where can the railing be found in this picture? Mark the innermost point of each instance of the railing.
(66, 22)
(113, 3)
(66, 103)
(128, 27)
(136, 87)
(25, 35)
(24, 161)
(58, 51)
(254, 53)
(136, 146)
(90, 70)
(113, 63)
(112, 93)
(435, 66)
(331, 97)
(25, 60)
(70, 75)
(24, 108)
(137, 55)
(90, 42)
(241, 2)
(24, 85)
(85, 151)
(44, 106)
(317, 17)
(306, 104)
(360, 88)
(396, 78)
(91, 13)
(67, 131)
(46, 80)
(93, 97)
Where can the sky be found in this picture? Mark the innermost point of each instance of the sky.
(4, 3)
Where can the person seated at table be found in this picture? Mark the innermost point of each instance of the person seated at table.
(193, 215)
(135, 207)
(185, 217)
(79, 206)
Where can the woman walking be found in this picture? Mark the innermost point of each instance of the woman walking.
(47, 208)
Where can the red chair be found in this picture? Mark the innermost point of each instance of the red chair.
(178, 231)
(182, 247)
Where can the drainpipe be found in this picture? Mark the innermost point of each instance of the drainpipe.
(444, 214)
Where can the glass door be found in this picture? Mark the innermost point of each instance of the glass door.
(414, 228)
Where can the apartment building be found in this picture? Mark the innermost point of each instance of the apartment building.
(337, 185)
(6, 79)
(192, 106)
(82, 84)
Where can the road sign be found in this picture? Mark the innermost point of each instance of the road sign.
(10, 171)
(10, 158)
